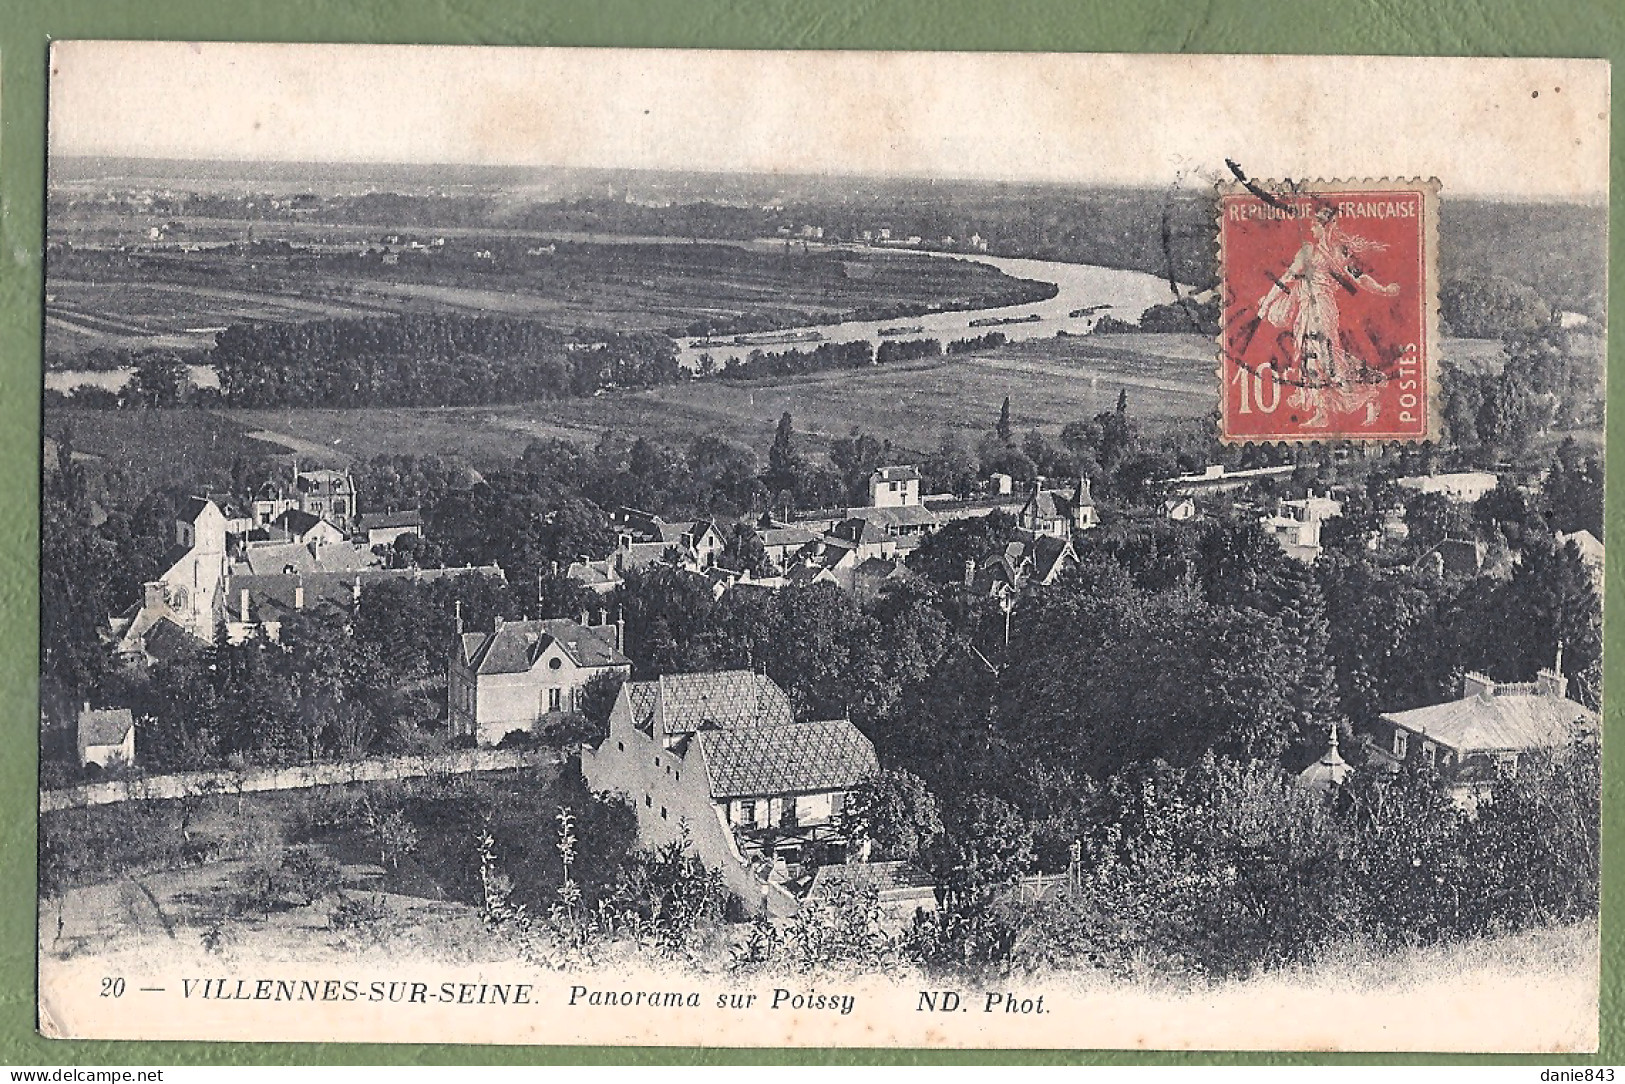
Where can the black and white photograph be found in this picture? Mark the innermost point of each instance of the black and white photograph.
(701, 548)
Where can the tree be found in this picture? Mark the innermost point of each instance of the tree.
(1404, 851)
(598, 698)
(1218, 868)
(784, 466)
(896, 812)
(941, 555)
(729, 471)
(855, 458)
(1430, 518)
(986, 845)
(951, 468)
(1550, 600)
(1573, 492)
(394, 834)
(1050, 461)
(995, 456)
(159, 378)
(743, 551)
(1004, 429)
(1491, 307)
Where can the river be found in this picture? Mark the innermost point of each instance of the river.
(1100, 291)
(65, 380)
(1083, 288)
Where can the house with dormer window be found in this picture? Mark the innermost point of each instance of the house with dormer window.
(1486, 732)
(721, 759)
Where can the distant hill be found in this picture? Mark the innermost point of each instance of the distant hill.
(1560, 250)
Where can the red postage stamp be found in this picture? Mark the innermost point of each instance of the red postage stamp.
(1329, 295)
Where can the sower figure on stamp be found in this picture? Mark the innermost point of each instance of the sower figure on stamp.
(1328, 378)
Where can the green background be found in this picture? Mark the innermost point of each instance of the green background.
(1585, 28)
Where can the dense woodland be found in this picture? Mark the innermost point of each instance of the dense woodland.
(435, 360)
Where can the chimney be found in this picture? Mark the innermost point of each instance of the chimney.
(1474, 684)
(299, 595)
(497, 623)
(970, 572)
(1550, 681)
(355, 591)
(87, 707)
(603, 617)
(457, 616)
(242, 605)
(620, 629)
(586, 621)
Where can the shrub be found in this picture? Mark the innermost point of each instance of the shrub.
(357, 913)
(307, 874)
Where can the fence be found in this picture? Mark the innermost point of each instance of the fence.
(248, 780)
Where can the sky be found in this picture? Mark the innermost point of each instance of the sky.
(1498, 128)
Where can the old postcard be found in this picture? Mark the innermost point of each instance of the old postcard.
(826, 549)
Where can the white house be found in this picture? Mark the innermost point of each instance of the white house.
(106, 737)
(894, 487)
(522, 673)
(383, 528)
(1461, 487)
(1296, 525)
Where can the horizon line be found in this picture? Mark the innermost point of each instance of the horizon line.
(1598, 200)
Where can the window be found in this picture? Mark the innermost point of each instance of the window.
(657, 762)
(554, 663)
(555, 697)
(648, 801)
(677, 777)
(1400, 740)
(662, 812)
(1430, 753)
(620, 746)
(747, 811)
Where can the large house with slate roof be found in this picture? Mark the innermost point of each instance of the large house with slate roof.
(522, 673)
(721, 757)
(1484, 733)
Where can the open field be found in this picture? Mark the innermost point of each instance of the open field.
(1050, 382)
